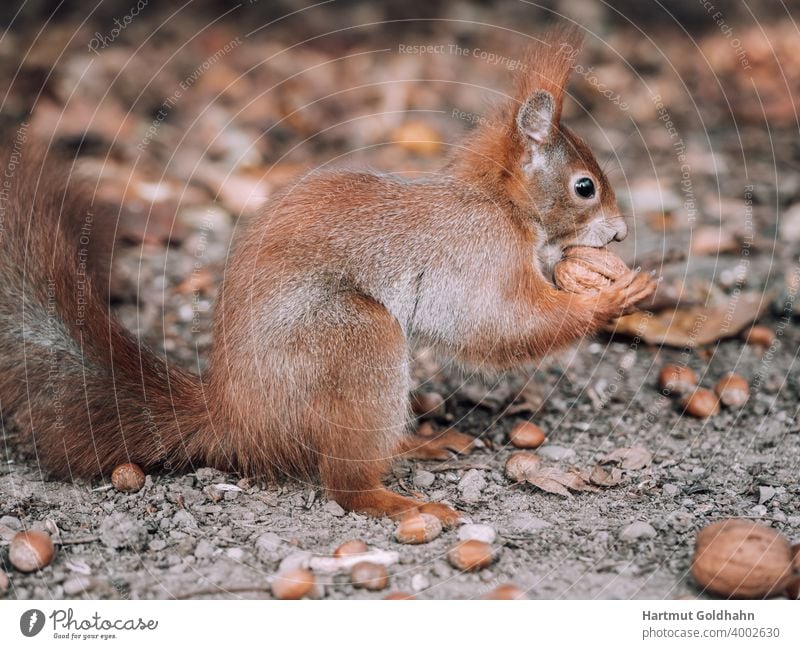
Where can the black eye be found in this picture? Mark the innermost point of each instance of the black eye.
(584, 187)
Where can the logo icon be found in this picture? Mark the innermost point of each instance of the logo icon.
(31, 622)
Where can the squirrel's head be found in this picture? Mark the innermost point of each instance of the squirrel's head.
(551, 174)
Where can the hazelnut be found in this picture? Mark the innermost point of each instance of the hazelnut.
(30, 551)
(349, 548)
(418, 528)
(677, 378)
(741, 558)
(470, 555)
(372, 576)
(526, 435)
(293, 584)
(127, 478)
(701, 403)
(588, 270)
(733, 390)
(399, 594)
(760, 336)
(506, 591)
(427, 404)
(793, 588)
(520, 465)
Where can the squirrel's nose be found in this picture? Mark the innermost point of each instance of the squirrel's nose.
(620, 228)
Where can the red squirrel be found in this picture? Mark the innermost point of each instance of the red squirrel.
(309, 374)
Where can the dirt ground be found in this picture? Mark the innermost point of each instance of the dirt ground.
(181, 184)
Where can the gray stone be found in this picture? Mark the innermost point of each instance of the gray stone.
(556, 453)
(670, 489)
(471, 485)
(203, 549)
(334, 509)
(477, 532)
(121, 530)
(424, 479)
(637, 530)
(11, 521)
(78, 585)
(525, 523)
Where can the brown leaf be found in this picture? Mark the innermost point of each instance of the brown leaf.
(548, 484)
(694, 326)
(603, 478)
(636, 457)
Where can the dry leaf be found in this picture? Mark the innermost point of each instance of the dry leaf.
(694, 326)
(526, 467)
(603, 478)
(634, 458)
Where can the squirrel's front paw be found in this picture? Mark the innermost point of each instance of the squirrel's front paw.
(627, 292)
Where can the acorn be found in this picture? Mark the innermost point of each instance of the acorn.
(733, 390)
(760, 336)
(128, 478)
(526, 435)
(701, 403)
(470, 555)
(677, 378)
(418, 528)
(372, 576)
(349, 548)
(506, 591)
(742, 558)
(30, 551)
(293, 584)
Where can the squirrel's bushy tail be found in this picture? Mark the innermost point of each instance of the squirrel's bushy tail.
(85, 392)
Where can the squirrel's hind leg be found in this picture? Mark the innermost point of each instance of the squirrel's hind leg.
(362, 414)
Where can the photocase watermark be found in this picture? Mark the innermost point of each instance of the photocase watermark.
(102, 41)
(453, 49)
(736, 44)
(67, 626)
(169, 103)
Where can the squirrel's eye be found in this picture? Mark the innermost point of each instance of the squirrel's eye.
(584, 187)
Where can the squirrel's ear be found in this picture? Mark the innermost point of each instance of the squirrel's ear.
(537, 116)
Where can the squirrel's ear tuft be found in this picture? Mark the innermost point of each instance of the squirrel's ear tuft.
(537, 117)
(548, 64)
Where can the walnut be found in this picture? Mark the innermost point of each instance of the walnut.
(742, 558)
(588, 270)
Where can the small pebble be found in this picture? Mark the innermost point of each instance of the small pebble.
(556, 453)
(11, 521)
(472, 485)
(202, 550)
(637, 530)
(477, 532)
(334, 509)
(120, 530)
(670, 489)
(419, 582)
(78, 585)
(267, 544)
(424, 479)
